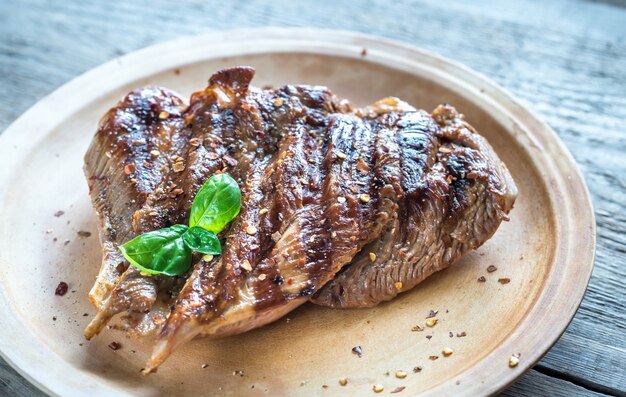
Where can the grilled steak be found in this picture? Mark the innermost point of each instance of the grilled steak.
(455, 197)
(345, 207)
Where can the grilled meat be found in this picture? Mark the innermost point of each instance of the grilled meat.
(454, 200)
(348, 207)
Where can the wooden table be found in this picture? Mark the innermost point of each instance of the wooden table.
(565, 60)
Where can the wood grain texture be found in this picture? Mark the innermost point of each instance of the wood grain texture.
(564, 60)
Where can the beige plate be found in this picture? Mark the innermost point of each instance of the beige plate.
(546, 249)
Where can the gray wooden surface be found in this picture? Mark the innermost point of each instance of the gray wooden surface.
(565, 60)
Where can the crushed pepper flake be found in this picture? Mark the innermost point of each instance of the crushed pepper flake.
(504, 280)
(417, 369)
(433, 358)
(492, 268)
(59, 213)
(447, 352)
(482, 279)
(398, 389)
(432, 313)
(61, 289)
(358, 351)
(178, 166)
(246, 265)
(115, 346)
(461, 334)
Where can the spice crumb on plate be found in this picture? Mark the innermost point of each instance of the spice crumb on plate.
(115, 346)
(504, 280)
(400, 374)
(61, 288)
(398, 389)
(447, 352)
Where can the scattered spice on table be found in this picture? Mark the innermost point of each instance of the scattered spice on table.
(83, 233)
(358, 351)
(482, 279)
(398, 389)
(59, 213)
(492, 268)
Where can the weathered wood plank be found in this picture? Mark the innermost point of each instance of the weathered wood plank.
(13, 384)
(534, 384)
(565, 60)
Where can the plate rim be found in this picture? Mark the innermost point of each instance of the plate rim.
(493, 381)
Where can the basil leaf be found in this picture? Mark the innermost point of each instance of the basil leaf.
(216, 203)
(159, 252)
(202, 240)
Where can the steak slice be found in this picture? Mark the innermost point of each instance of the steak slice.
(454, 202)
(123, 171)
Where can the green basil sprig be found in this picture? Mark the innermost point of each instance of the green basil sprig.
(168, 251)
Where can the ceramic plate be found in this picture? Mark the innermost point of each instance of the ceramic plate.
(546, 249)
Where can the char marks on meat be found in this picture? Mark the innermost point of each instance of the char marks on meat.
(350, 206)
